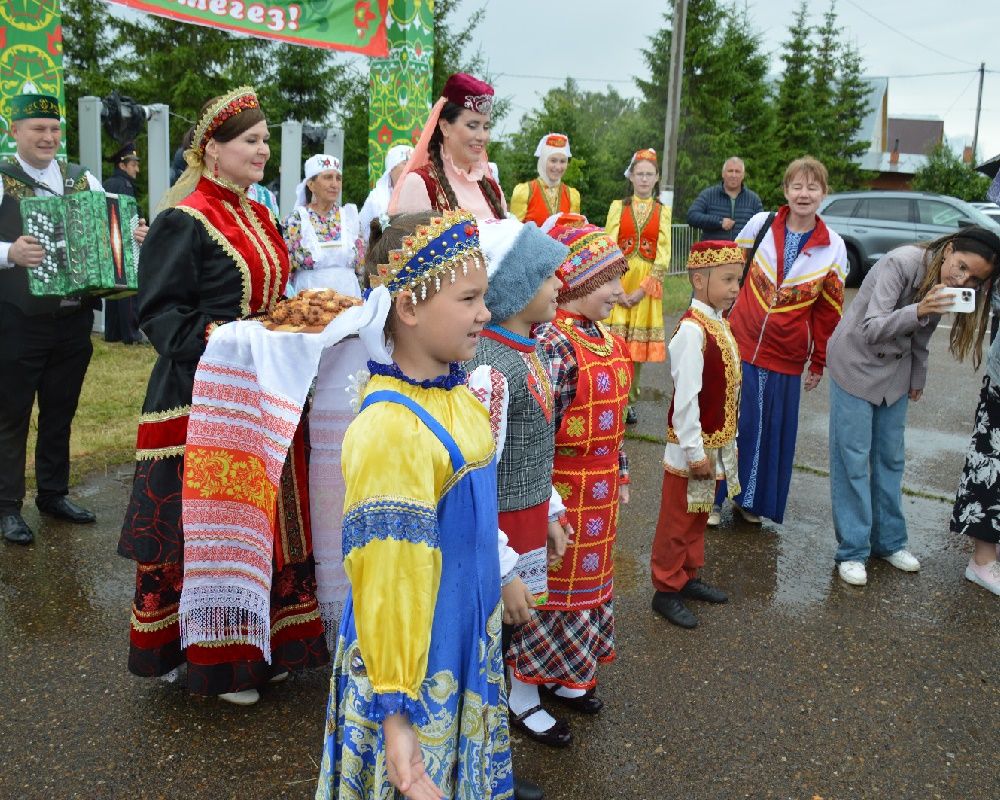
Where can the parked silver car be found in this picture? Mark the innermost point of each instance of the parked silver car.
(874, 222)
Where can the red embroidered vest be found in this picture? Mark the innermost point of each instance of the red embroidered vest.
(585, 470)
(538, 210)
(647, 237)
(719, 398)
(438, 196)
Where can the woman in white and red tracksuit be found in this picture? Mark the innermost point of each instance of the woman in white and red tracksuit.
(789, 305)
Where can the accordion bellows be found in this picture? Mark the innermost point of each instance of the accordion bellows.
(89, 244)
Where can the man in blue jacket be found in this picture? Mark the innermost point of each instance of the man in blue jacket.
(723, 209)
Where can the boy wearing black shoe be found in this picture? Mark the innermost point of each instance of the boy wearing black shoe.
(701, 431)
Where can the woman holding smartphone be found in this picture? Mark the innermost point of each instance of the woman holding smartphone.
(877, 359)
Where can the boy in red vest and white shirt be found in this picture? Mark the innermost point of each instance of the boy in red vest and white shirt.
(701, 430)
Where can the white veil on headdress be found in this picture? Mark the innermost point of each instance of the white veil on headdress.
(549, 144)
(314, 166)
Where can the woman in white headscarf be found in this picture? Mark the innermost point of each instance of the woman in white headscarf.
(323, 237)
(537, 200)
(377, 203)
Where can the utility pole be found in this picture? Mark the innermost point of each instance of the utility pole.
(979, 108)
(673, 102)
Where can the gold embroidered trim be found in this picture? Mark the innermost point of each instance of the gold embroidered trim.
(294, 619)
(719, 330)
(603, 349)
(468, 467)
(152, 627)
(265, 271)
(229, 250)
(163, 416)
(269, 262)
(159, 452)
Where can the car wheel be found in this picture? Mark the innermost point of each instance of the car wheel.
(854, 275)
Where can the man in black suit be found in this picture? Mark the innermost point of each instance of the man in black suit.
(45, 342)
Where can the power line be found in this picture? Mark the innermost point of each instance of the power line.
(910, 38)
(562, 78)
(928, 74)
(955, 102)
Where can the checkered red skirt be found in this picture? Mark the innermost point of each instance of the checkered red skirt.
(564, 647)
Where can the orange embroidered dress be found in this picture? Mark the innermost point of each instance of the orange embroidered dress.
(642, 230)
(214, 258)
(574, 631)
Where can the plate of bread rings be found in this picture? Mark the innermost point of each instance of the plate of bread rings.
(309, 311)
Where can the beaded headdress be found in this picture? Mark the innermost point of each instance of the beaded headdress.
(227, 106)
(649, 154)
(444, 245)
(714, 253)
(594, 258)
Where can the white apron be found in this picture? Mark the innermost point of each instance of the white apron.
(333, 261)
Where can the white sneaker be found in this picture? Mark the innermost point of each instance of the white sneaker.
(245, 698)
(852, 572)
(748, 516)
(986, 575)
(279, 677)
(904, 560)
(714, 517)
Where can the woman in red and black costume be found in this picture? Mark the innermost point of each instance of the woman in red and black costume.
(449, 168)
(214, 256)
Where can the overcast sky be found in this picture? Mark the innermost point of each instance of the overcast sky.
(601, 40)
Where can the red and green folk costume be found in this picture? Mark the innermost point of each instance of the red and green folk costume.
(574, 631)
(214, 258)
(642, 230)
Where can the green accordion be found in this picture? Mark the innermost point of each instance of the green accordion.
(89, 244)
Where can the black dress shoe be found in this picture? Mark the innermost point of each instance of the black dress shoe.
(697, 589)
(558, 735)
(67, 510)
(588, 703)
(631, 418)
(526, 790)
(670, 606)
(15, 529)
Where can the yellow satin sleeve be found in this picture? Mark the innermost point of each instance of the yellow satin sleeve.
(519, 200)
(614, 220)
(662, 261)
(574, 200)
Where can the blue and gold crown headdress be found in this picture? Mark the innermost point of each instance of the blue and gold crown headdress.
(448, 243)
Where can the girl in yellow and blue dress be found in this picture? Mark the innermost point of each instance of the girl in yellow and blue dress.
(417, 702)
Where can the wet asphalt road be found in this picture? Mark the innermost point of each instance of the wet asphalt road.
(800, 687)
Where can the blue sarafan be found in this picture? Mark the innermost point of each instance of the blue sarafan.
(420, 632)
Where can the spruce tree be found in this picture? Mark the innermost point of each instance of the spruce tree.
(795, 108)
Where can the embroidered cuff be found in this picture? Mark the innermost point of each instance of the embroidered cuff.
(506, 579)
(652, 286)
(389, 519)
(388, 703)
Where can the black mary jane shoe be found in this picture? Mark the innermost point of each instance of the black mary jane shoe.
(15, 529)
(631, 417)
(588, 703)
(670, 606)
(526, 790)
(697, 589)
(63, 508)
(558, 735)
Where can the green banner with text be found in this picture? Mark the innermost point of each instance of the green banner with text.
(354, 25)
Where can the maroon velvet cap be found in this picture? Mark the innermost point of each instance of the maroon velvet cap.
(469, 92)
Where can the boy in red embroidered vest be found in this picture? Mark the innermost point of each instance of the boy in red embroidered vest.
(573, 632)
(701, 431)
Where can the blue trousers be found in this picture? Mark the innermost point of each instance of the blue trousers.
(866, 475)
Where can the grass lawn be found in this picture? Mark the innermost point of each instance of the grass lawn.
(676, 293)
(106, 420)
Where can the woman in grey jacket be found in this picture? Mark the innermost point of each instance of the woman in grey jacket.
(877, 358)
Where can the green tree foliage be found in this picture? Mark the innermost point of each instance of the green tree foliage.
(821, 99)
(946, 173)
(725, 108)
(602, 128)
